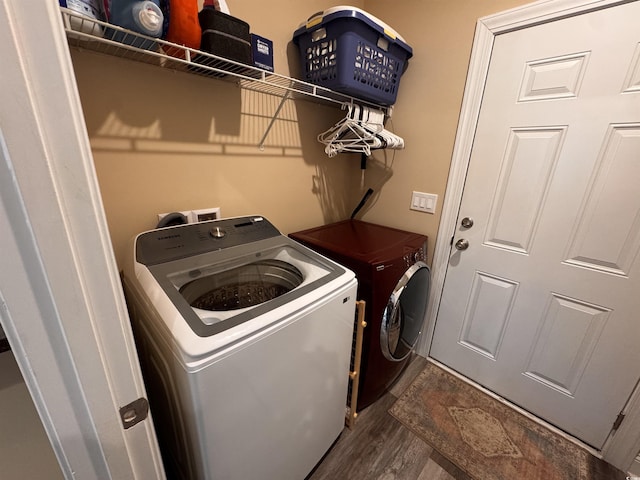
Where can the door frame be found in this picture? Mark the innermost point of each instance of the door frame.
(620, 449)
(61, 301)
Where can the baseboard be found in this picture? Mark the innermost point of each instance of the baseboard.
(635, 467)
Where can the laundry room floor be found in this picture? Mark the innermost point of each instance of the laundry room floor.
(25, 451)
(380, 447)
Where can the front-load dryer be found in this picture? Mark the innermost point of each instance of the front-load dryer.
(244, 338)
(394, 282)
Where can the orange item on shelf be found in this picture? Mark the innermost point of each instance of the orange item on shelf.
(184, 27)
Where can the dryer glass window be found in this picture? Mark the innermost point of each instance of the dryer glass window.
(405, 312)
(242, 287)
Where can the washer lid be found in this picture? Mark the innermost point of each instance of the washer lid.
(238, 270)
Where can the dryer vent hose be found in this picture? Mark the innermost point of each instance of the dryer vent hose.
(362, 202)
(172, 219)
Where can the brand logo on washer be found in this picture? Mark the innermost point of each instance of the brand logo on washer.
(379, 268)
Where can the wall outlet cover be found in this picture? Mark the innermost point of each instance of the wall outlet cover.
(195, 216)
(204, 215)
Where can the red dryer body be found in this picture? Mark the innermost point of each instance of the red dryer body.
(393, 280)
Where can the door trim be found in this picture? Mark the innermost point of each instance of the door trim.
(621, 448)
(61, 301)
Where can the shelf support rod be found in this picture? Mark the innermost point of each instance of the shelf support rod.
(285, 97)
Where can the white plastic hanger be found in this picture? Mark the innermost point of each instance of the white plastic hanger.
(360, 131)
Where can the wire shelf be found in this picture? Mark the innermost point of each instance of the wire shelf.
(85, 33)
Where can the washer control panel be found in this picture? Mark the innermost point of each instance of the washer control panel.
(173, 243)
(218, 232)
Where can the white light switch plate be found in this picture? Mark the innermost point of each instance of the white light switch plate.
(424, 202)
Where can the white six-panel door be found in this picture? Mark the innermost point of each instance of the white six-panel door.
(542, 307)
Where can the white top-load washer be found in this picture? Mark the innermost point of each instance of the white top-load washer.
(244, 338)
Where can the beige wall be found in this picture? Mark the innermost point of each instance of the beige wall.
(166, 141)
(426, 112)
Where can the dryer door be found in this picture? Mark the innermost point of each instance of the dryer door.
(404, 315)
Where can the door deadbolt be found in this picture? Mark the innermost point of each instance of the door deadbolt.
(467, 222)
(462, 244)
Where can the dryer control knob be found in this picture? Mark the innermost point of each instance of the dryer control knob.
(218, 232)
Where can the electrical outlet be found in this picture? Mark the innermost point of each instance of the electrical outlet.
(195, 216)
(204, 215)
(424, 202)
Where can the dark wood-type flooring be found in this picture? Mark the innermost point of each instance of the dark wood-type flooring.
(381, 448)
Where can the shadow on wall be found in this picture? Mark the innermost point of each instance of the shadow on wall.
(144, 94)
(378, 171)
(158, 114)
(328, 183)
(152, 110)
(378, 167)
(145, 109)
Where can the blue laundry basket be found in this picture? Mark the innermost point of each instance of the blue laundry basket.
(352, 52)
